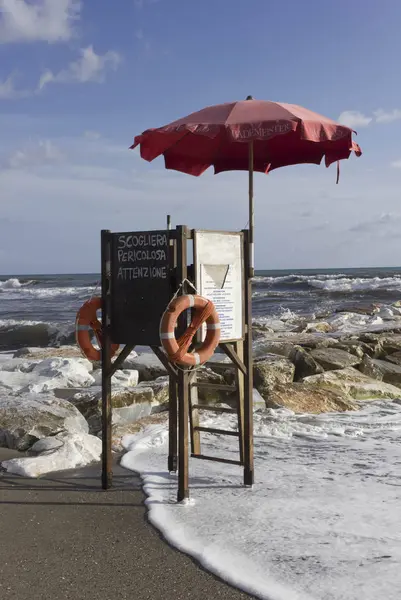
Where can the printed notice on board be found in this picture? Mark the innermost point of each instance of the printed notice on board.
(217, 284)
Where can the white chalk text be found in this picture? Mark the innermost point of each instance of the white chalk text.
(142, 256)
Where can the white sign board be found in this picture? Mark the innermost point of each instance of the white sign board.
(218, 262)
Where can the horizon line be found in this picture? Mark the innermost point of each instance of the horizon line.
(53, 274)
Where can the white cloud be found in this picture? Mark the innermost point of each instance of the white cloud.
(89, 67)
(92, 135)
(354, 118)
(387, 117)
(8, 91)
(33, 155)
(37, 195)
(43, 20)
(396, 164)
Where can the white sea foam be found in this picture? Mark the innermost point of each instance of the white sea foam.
(39, 376)
(357, 284)
(385, 317)
(20, 290)
(322, 520)
(6, 323)
(336, 282)
(14, 284)
(287, 316)
(297, 277)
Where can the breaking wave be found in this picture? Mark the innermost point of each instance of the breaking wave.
(15, 284)
(346, 284)
(294, 278)
(333, 283)
(20, 334)
(29, 289)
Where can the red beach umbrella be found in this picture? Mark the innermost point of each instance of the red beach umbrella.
(251, 135)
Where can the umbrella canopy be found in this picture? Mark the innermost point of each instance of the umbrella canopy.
(219, 136)
(251, 135)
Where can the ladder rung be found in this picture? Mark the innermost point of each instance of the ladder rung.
(224, 387)
(221, 409)
(216, 459)
(217, 431)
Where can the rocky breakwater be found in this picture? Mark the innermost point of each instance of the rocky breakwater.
(50, 405)
(317, 372)
(50, 399)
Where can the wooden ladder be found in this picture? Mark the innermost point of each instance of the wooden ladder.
(234, 350)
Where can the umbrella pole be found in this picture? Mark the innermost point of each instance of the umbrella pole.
(251, 212)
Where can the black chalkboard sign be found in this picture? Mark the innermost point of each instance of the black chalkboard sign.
(141, 286)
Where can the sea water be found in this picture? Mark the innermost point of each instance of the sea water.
(40, 310)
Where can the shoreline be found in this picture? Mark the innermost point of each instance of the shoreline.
(311, 369)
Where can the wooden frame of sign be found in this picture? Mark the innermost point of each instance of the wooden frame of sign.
(141, 271)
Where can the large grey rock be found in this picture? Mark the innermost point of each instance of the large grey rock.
(333, 358)
(381, 370)
(148, 366)
(26, 418)
(72, 371)
(391, 343)
(355, 385)
(368, 337)
(308, 398)
(374, 342)
(354, 346)
(84, 399)
(224, 368)
(128, 362)
(264, 346)
(160, 388)
(305, 364)
(271, 370)
(128, 404)
(318, 327)
(213, 396)
(57, 453)
(394, 358)
(41, 353)
(122, 397)
(43, 376)
(306, 340)
(314, 340)
(260, 330)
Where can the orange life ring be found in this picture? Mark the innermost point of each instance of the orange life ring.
(176, 350)
(87, 321)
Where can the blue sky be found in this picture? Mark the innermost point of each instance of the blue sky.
(79, 79)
